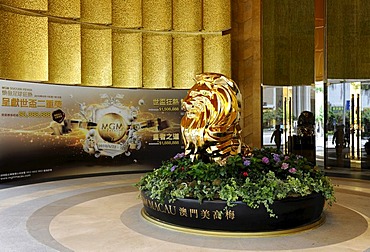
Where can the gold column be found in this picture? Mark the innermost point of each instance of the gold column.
(67, 9)
(127, 13)
(64, 53)
(217, 54)
(96, 56)
(96, 11)
(216, 15)
(24, 54)
(246, 65)
(40, 5)
(187, 15)
(187, 60)
(127, 60)
(157, 15)
(157, 61)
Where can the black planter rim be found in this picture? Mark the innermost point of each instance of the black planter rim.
(237, 234)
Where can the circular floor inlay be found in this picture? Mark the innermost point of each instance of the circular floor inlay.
(339, 221)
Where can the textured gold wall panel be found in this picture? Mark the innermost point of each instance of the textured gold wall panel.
(96, 57)
(187, 60)
(41, 5)
(157, 14)
(62, 8)
(64, 53)
(157, 61)
(216, 15)
(127, 60)
(288, 42)
(217, 54)
(127, 13)
(96, 11)
(2, 46)
(348, 39)
(187, 15)
(25, 47)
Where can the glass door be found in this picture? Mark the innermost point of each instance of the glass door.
(293, 120)
(348, 124)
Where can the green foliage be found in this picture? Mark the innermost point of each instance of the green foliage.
(259, 178)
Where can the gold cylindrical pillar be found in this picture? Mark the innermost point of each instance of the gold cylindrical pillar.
(96, 11)
(67, 9)
(217, 54)
(96, 56)
(24, 52)
(157, 15)
(64, 53)
(127, 60)
(216, 15)
(127, 13)
(157, 61)
(187, 15)
(41, 5)
(187, 60)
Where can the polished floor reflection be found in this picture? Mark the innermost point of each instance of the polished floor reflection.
(103, 214)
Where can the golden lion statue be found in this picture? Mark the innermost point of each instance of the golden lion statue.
(210, 127)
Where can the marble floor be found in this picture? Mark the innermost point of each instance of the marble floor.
(103, 213)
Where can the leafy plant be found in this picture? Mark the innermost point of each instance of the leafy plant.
(258, 178)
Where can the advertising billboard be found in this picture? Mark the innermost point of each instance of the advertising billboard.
(54, 131)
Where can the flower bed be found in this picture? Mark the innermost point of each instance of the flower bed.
(259, 178)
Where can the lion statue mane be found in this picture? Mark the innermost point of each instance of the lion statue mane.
(210, 127)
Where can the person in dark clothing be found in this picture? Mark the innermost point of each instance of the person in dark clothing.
(276, 135)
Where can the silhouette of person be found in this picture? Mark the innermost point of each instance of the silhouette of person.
(276, 136)
(338, 137)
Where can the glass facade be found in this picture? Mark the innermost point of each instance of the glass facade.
(330, 126)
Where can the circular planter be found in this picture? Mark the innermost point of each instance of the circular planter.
(211, 215)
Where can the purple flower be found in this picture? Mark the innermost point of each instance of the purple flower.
(293, 170)
(173, 168)
(284, 166)
(286, 157)
(276, 157)
(179, 155)
(265, 160)
(246, 162)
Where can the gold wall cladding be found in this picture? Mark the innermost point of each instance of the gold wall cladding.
(66, 9)
(41, 5)
(288, 42)
(187, 60)
(217, 54)
(216, 15)
(96, 57)
(64, 53)
(127, 60)
(127, 14)
(187, 15)
(157, 15)
(3, 49)
(96, 11)
(348, 39)
(157, 61)
(25, 47)
(246, 65)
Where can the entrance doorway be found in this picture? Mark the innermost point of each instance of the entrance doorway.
(347, 142)
(298, 113)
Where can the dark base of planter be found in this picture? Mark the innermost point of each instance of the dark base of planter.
(291, 213)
